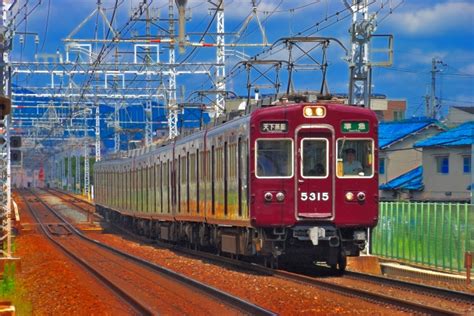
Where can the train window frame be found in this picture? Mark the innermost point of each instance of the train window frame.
(373, 158)
(292, 156)
(302, 155)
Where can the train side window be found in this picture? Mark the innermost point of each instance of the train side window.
(130, 186)
(143, 178)
(226, 176)
(239, 174)
(157, 187)
(178, 170)
(274, 158)
(166, 196)
(213, 179)
(140, 188)
(139, 184)
(198, 174)
(169, 184)
(136, 179)
(355, 158)
(187, 180)
(145, 188)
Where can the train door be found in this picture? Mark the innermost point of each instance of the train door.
(314, 174)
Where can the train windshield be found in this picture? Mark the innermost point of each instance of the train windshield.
(274, 158)
(355, 158)
(314, 153)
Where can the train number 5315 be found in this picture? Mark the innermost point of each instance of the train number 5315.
(314, 196)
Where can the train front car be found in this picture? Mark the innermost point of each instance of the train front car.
(313, 181)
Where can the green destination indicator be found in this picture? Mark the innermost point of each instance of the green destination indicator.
(355, 127)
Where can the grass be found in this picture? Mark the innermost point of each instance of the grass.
(11, 290)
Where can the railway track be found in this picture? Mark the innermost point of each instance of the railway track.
(148, 275)
(324, 283)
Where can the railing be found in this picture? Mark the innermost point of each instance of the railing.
(433, 234)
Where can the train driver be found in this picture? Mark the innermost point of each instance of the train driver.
(351, 165)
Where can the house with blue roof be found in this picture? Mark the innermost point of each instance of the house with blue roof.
(400, 171)
(447, 165)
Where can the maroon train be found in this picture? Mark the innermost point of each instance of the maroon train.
(295, 181)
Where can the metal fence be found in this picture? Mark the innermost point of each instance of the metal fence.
(434, 234)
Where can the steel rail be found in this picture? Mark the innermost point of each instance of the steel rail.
(344, 290)
(58, 194)
(128, 299)
(454, 295)
(231, 300)
(348, 291)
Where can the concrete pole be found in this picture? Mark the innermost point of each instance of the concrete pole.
(432, 113)
(69, 173)
(78, 173)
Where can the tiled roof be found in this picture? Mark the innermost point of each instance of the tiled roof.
(392, 132)
(463, 135)
(412, 180)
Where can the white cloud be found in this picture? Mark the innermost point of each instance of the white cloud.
(442, 17)
(468, 69)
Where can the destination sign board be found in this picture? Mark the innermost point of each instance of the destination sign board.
(274, 127)
(355, 127)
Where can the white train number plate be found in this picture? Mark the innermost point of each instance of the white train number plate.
(314, 196)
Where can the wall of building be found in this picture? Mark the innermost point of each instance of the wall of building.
(445, 187)
(395, 110)
(456, 117)
(402, 157)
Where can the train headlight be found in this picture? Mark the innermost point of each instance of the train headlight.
(268, 196)
(349, 196)
(314, 111)
(319, 111)
(361, 196)
(280, 196)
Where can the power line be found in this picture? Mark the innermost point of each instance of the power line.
(46, 26)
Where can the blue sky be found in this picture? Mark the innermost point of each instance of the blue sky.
(421, 29)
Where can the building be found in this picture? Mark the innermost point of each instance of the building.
(389, 110)
(399, 161)
(447, 165)
(459, 115)
(386, 109)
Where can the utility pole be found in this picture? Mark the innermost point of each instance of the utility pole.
(172, 106)
(78, 173)
(97, 132)
(433, 102)
(360, 80)
(86, 171)
(5, 120)
(116, 128)
(220, 61)
(148, 102)
(434, 105)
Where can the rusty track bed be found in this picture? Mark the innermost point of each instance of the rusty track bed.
(135, 305)
(399, 303)
(228, 299)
